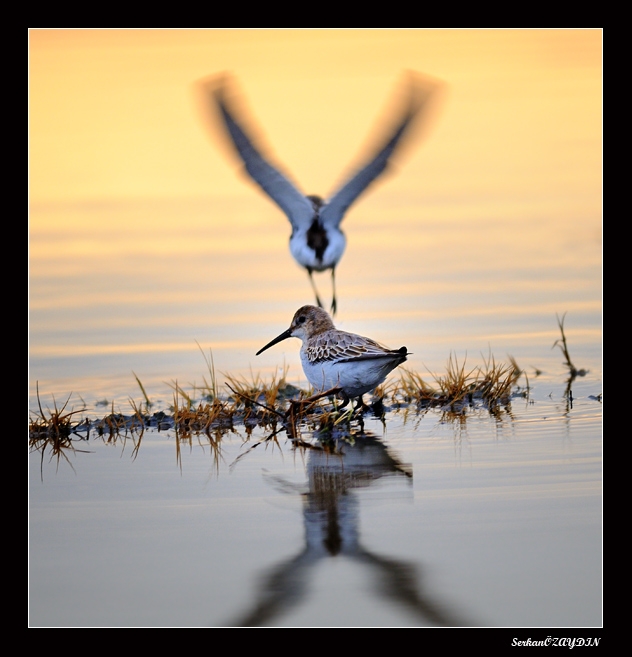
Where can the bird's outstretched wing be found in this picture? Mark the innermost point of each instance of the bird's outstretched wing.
(421, 89)
(275, 184)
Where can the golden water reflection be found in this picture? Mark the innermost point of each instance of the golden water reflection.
(143, 240)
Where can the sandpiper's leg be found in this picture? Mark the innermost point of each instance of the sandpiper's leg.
(345, 399)
(333, 287)
(361, 407)
(311, 280)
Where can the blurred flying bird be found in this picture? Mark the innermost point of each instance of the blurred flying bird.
(316, 243)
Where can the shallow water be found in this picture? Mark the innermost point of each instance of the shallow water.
(425, 520)
(148, 253)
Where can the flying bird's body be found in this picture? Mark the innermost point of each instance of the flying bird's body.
(316, 243)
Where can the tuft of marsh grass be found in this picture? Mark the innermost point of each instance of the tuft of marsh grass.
(211, 388)
(52, 431)
(212, 418)
(148, 403)
(204, 417)
(457, 383)
(56, 424)
(259, 400)
(561, 343)
(491, 384)
(276, 405)
(496, 381)
(180, 392)
(412, 388)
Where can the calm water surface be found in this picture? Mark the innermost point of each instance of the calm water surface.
(486, 521)
(146, 248)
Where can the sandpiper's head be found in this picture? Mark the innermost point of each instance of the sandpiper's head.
(307, 322)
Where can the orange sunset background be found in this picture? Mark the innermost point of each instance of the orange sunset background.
(145, 239)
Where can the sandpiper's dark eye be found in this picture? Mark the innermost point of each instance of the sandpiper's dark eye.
(301, 319)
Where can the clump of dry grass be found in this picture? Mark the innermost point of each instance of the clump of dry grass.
(54, 425)
(491, 384)
(211, 387)
(260, 401)
(52, 430)
(561, 343)
(496, 381)
(211, 418)
(276, 405)
(210, 415)
(203, 418)
(411, 388)
(148, 403)
(117, 425)
(457, 383)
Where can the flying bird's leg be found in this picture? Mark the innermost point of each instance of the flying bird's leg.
(333, 287)
(311, 280)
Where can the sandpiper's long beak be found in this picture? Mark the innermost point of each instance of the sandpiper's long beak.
(279, 338)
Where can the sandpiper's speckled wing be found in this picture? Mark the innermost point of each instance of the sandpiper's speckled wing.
(275, 184)
(334, 210)
(343, 347)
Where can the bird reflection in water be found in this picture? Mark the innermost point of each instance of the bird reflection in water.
(331, 520)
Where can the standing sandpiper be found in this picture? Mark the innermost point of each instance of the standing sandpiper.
(333, 358)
